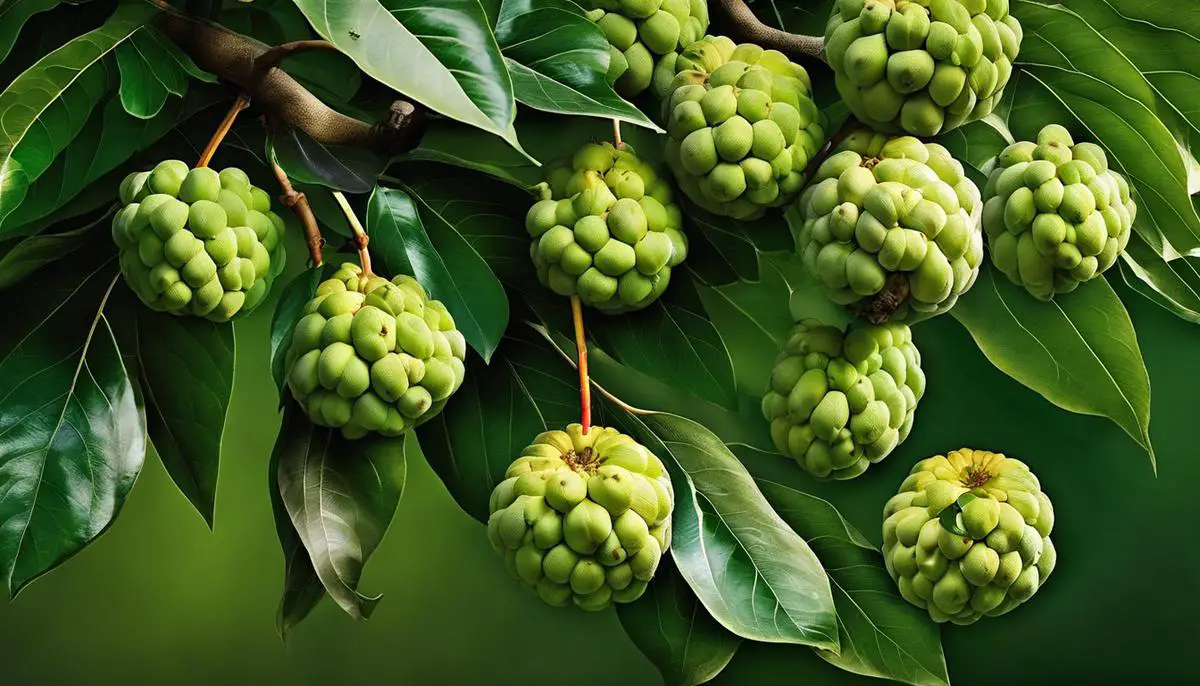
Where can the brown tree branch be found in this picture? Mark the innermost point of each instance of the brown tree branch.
(290, 197)
(744, 26)
(275, 55)
(235, 58)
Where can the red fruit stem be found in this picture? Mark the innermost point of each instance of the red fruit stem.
(240, 104)
(585, 387)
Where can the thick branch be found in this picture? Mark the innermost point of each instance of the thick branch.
(275, 55)
(743, 25)
(235, 58)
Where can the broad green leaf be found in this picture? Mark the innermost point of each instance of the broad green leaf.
(291, 303)
(34, 252)
(882, 635)
(310, 162)
(302, 588)
(340, 496)
(559, 60)
(443, 55)
(454, 144)
(185, 370)
(1079, 351)
(1087, 75)
(1174, 285)
(150, 73)
(413, 236)
(755, 575)
(47, 105)
(72, 432)
(13, 15)
(979, 142)
(672, 628)
(498, 411)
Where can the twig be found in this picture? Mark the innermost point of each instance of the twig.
(746, 27)
(360, 234)
(294, 199)
(585, 390)
(592, 382)
(272, 58)
(241, 103)
(617, 135)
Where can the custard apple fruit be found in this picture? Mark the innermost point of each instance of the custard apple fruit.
(198, 242)
(645, 35)
(891, 227)
(583, 518)
(968, 535)
(921, 66)
(839, 402)
(370, 355)
(741, 127)
(1055, 215)
(608, 232)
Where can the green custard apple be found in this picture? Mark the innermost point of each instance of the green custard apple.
(583, 518)
(891, 227)
(840, 401)
(608, 232)
(921, 66)
(1055, 214)
(645, 35)
(197, 241)
(370, 355)
(741, 126)
(968, 535)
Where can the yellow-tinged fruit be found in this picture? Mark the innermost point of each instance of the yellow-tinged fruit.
(645, 37)
(384, 347)
(1055, 214)
(616, 246)
(969, 535)
(584, 518)
(839, 401)
(181, 246)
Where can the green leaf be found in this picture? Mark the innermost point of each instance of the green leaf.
(469, 148)
(35, 252)
(291, 303)
(442, 54)
(1173, 285)
(755, 575)
(185, 368)
(413, 236)
(302, 588)
(1082, 71)
(47, 105)
(13, 15)
(979, 142)
(74, 434)
(559, 60)
(498, 410)
(340, 496)
(672, 628)
(150, 73)
(342, 168)
(1079, 351)
(882, 635)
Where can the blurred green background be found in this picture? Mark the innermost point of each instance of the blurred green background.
(160, 599)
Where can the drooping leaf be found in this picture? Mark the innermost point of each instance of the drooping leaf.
(150, 73)
(13, 15)
(34, 252)
(559, 60)
(412, 236)
(340, 496)
(672, 628)
(882, 635)
(1079, 351)
(341, 168)
(753, 574)
(47, 105)
(302, 588)
(1174, 285)
(73, 432)
(291, 303)
(442, 54)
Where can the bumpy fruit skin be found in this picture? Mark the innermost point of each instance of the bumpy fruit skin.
(741, 126)
(608, 230)
(1055, 214)
(197, 242)
(583, 518)
(372, 356)
(838, 402)
(891, 227)
(645, 37)
(996, 554)
(921, 66)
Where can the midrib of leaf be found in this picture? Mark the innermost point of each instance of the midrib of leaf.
(716, 290)
(686, 337)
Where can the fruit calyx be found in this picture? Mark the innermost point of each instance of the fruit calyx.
(585, 461)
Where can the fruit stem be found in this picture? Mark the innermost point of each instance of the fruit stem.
(296, 200)
(585, 388)
(240, 104)
(360, 234)
(603, 391)
(617, 135)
